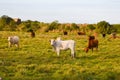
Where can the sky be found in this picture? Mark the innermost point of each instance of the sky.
(65, 11)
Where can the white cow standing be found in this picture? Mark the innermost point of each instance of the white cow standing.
(59, 44)
(13, 40)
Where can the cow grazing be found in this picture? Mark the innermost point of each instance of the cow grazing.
(32, 33)
(13, 40)
(65, 32)
(92, 43)
(59, 44)
(113, 35)
(104, 35)
(80, 33)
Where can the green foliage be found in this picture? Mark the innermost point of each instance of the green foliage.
(69, 27)
(7, 23)
(36, 60)
(91, 27)
(74, 26)
(104, 27)
(54, 25)
(28, 25)
(116, 28)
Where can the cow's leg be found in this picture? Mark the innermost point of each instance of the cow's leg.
(86, 49)
(92, 49)
(97, 48)
(9, 44)
(58, 51)
(72, 53)
(17, 45)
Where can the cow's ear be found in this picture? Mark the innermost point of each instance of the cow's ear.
(53, 40)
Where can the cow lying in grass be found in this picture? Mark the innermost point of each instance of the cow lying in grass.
(92, 43)
(13, 40)
(59, 44)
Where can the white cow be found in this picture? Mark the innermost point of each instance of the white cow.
(59, 44)
(13, 40)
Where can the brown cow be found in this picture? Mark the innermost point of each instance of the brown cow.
(80, 33)
(92, 43)
(65, 32)
(32, 33)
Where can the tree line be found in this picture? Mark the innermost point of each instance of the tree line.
(9, 24)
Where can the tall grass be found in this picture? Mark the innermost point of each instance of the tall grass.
(36, 60)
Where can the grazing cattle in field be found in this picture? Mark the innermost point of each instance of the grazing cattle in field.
(32, 33)
(59, 44)
(65, 32)
(104, 35)
(92, 43)
(13, 40)
(81, 33)
(113, 35)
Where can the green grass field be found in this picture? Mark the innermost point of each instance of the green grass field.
(36, 60)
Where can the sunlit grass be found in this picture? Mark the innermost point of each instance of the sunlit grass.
(36, 60)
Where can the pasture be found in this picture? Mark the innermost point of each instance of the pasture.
(36, 60)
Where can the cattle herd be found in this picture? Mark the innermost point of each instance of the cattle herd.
(59, 44)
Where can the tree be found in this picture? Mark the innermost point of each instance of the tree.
(53, 25)
(28, 25)
(104, 28)
(74, 26)
(7, 23)
(35, 25)
(90, 27)
(116, 28)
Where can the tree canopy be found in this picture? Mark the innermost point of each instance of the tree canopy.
(104, 27)
(8, 23)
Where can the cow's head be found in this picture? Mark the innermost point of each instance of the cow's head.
(9, 38)
(52, 42)
(91, 37)
(86, 49)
